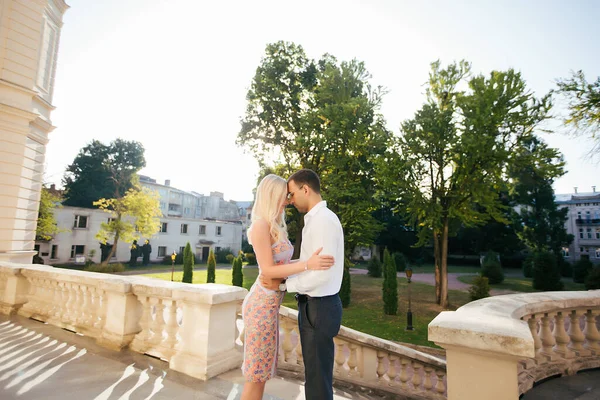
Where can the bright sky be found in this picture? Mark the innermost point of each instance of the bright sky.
(173, 74)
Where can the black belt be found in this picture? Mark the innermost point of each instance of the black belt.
(304, 298)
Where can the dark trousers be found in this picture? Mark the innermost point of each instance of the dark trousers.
(319, 319)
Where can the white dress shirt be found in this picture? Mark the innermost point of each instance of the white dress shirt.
(322, 228)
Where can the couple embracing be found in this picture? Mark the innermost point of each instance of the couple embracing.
(316, 278)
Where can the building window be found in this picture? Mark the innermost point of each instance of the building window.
(77, 250)
(80, 222)
(581, 249)
(587, 216)
(565, 252)
(202, 230)
(589, 233)
(184, 228)
(578, 214)
(54, 252)
(597, 252)
(249, 217)
(163, 205)
(162, 251)
(580, 233)
(217, 249)
(218, 231)
(110, 220)
(186, 211)
(181, 249)
(597, 233)
(163, 227)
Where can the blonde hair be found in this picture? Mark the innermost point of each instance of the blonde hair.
(270, 191)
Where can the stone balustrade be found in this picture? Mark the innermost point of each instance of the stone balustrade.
(193, 327)
(369, 362)
(499, 347)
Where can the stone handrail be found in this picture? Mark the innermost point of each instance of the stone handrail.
(190, 326)
(369, 362)
(498, 347)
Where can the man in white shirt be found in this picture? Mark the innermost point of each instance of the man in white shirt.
(319, 305)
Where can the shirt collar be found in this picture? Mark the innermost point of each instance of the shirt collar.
(315, 209)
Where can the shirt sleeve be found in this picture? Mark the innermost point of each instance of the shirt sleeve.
(323, 233)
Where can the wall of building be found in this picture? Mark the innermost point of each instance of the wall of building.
(583, 223)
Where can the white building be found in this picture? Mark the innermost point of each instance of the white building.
(80, 226)
(583, 223)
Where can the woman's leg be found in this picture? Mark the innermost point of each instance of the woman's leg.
(253, 391)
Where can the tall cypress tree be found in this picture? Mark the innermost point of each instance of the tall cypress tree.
(210, 267)
(237, 275)
(390, 284)
(188, 264)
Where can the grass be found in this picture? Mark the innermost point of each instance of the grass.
(365, 313)
(430, 268)
(522, 284)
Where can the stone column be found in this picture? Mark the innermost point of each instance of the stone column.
(29, 35)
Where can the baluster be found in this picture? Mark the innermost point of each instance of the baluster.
(44, 297)
(299, 356)
(576, 335)
(61, 301)
(288, 327)
(561, 337)
(140, 342)
(404, 364)
(94, 307)
(548, 341)
(392, 370)
(340, 357)
(171, 328)
(532, 322)
(101, 309)
(54, 311)
(352, 363)
(591, 333)
(380, 366)
(439, 385)
(417, 379)
(77, 306)
(69, 303)
(159, 321)
(428, 384)
(84, 316)
(34, 291)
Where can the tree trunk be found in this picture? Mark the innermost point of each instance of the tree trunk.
(437, 262)
(113, 251)
(444, 266)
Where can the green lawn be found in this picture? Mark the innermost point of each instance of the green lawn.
(430, 268)
(365, 313)
(522, 284)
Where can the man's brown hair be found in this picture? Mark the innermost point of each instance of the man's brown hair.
(307, 177)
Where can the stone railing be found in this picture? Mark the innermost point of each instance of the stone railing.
(497, 348)
(192, 327)
(369, 362)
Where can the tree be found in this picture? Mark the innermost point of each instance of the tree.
(324, 116)
(211, 264)
(539, 223)
(450, 162)
(237, 274)
(135, 214)
(390, 284)
(46, 223)
(346, 288)
(188, 264)
(102, 171)
(584, 107)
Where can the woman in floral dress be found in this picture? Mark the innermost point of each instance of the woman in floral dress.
(268, 236)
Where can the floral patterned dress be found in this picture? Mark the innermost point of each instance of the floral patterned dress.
(261, 323)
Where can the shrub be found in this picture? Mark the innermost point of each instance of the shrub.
(374, 268)
(346, 290)
(565, 267)
(211, 263)
(178, 259)
(251, 258)
(492, 269)
(545, 272)
(581, 269)
(390, 285)
(221, 255)
(528, 266)
(400, 261)
(107, 269)
(188, 264)
(229, 258)
(37, 259)
(480, 288)
(237, 275)
(592, 281)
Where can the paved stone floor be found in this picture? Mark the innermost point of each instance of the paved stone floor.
(39, 361)
(582, 386)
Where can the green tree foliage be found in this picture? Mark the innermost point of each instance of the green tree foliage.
(584, 107)
(592, 281)
(321, 115)
(390, 285)
(581, 270)
(492, 269)
(102, 171)
(480, 288)
(450, 162)
(46, 223)
(400, 262)
(237, 275)
(374, 268)
(546, 275)
(540, 223)
(136, 214)
(346, 289)
(211, 264)
(188, 264)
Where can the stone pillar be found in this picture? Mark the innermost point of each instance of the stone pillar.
(123, 313)
(208, 330)
(14, 290)
(29, 36)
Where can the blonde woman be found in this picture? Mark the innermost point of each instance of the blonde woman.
(268, 236)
